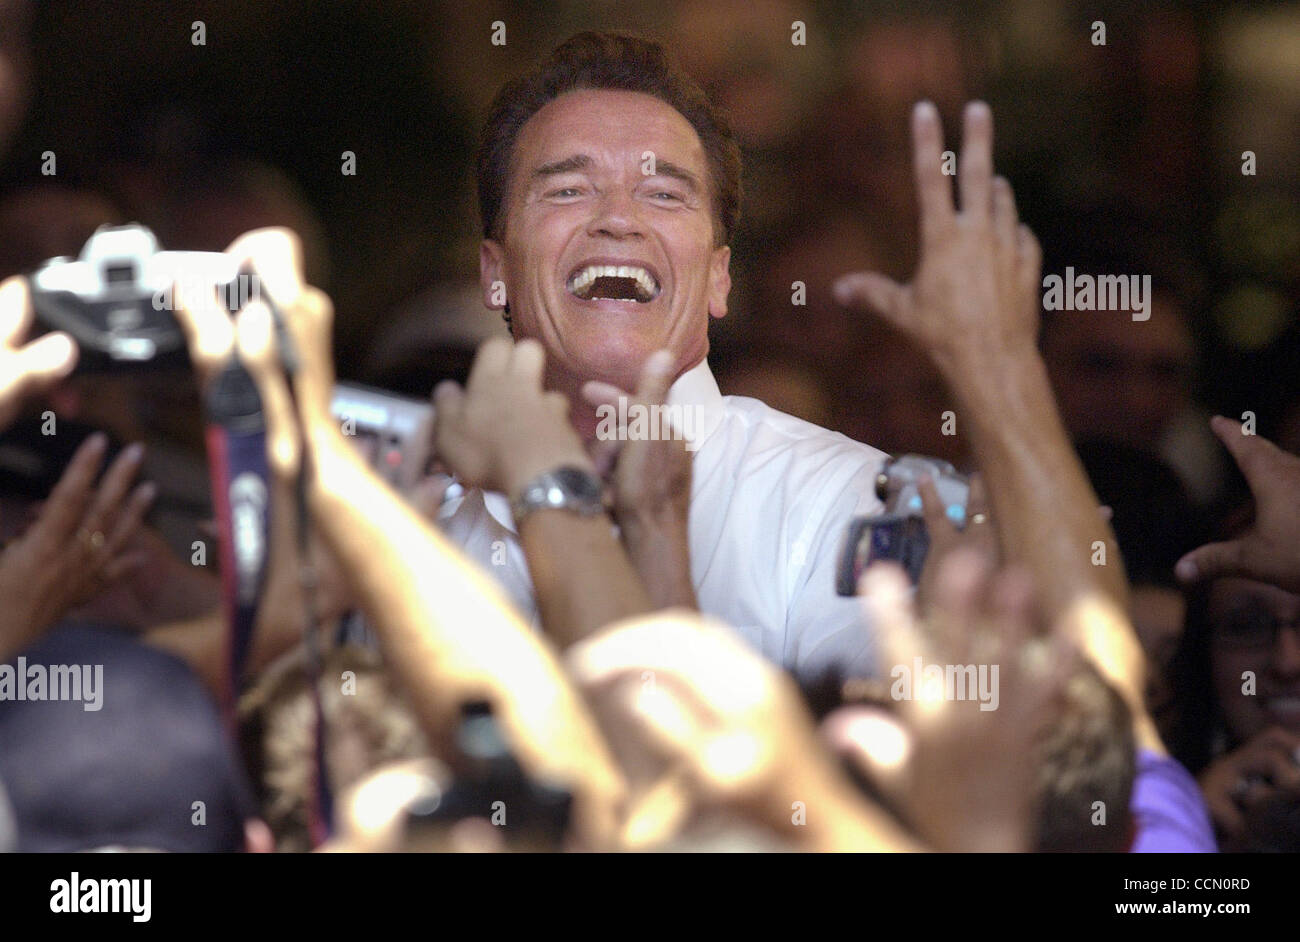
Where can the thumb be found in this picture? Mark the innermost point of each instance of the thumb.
(869, 291)
(1211, 560)
(656, 378)
(44, 360)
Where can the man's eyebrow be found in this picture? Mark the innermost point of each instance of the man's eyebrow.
(666, 168)
(567, 165)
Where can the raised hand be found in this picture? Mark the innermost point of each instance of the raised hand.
(696, 698)
(966, 783)
(976, 288)
(1269, 551)
(651, 479)
(1266, 767)
(503, 429)
(74, 549)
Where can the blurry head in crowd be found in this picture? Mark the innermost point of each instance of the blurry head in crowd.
(861, 148)
(1238, 684)
(1255, 627)
(15, 66)
(127, 775)
(1119, 378)
(794, 304)
(746, 67)
(1238, 668)
(1088, 756)
(368, 725)
(607, 155)
(205, 203)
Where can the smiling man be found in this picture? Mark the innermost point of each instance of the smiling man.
(610, 190)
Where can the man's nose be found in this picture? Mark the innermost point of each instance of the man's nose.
(616, 217)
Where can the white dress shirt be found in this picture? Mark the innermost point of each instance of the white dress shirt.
(771, 498)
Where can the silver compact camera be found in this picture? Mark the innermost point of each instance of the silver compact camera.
(393, 433)
(116, 299)
(898, 533)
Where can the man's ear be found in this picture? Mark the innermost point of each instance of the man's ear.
(491, 274)
(719, 280)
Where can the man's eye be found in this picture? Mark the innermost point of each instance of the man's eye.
(664, 195)
(565, 192)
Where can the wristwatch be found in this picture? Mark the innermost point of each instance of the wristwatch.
(563, 488)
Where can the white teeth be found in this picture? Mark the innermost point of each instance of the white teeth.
(644, 280)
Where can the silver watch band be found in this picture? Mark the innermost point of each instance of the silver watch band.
(565, 488)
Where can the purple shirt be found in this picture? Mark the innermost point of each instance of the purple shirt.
(1169, 813)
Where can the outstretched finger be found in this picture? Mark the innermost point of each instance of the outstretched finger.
(871, 291)
(129, 518)
(1005, 217)
(259, 353)
(975, 173)
(1250, 452)
(887, 598)
(113, 489)
(940, 527)
(62, 512)
(1229, 558)
(209, 332)
(933, 189)
(15, 311)
(490, 362)
(656, 378)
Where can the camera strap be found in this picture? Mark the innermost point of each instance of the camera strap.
(241, 486)
(241, 481)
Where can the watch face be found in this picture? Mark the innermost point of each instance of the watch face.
(579, 483)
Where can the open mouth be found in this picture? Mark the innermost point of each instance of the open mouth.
(614, 283)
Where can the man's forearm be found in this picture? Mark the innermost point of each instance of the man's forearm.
(1044, 506)
(659, 551)
(580, 573)
(1047, 514)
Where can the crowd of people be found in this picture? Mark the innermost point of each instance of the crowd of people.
(571, 638)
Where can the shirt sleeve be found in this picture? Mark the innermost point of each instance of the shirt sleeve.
(1169, 814)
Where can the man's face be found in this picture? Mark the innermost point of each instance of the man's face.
(1118, 378)
(603, 260)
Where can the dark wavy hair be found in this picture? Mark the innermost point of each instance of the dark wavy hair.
(617, 62)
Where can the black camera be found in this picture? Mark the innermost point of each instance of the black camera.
(116, 300)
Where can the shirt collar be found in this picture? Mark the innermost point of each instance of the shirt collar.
(697, 389)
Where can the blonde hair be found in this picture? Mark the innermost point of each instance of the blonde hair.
(367, 723)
